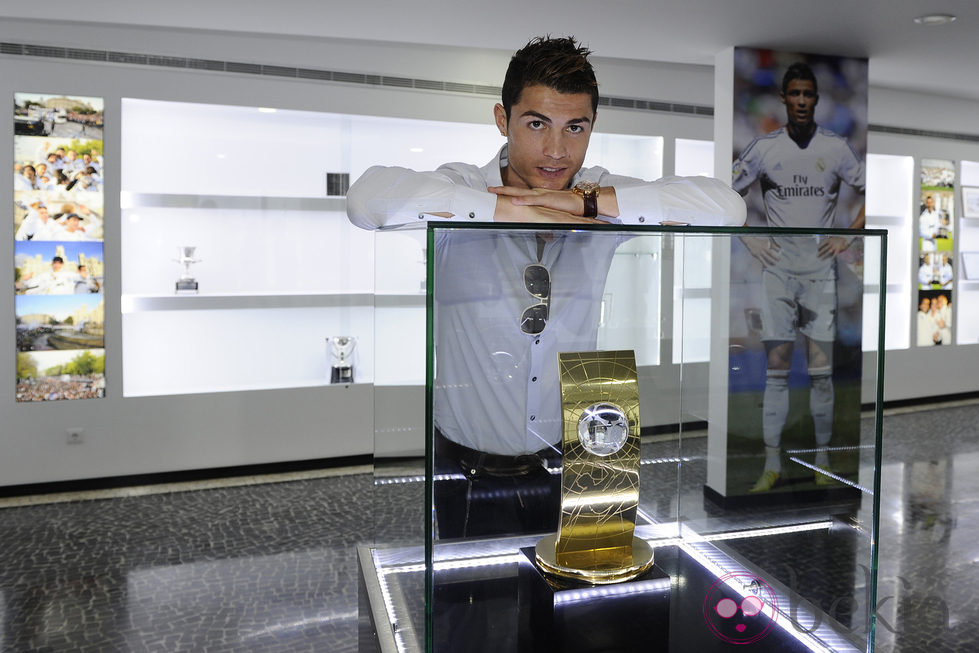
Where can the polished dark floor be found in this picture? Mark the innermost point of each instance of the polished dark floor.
(272, 567)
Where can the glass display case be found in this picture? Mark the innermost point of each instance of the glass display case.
(755, 538)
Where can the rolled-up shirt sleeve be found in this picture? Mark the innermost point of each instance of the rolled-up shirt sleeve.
(390, 196)
(703, 201)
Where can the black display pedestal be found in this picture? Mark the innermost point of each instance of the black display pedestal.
(579, 618)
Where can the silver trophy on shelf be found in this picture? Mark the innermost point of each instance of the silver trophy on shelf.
(342, 358)
(186, 284)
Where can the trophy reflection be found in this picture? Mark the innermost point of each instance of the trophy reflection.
(341, 358)
(186, 284)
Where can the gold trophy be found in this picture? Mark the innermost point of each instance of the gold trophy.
(595, 542)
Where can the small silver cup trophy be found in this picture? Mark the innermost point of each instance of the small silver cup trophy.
(342, 358)
(186, 284)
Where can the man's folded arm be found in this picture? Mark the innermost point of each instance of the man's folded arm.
(702, 201)
(390, 196)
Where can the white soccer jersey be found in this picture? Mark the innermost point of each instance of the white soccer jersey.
(801, 186)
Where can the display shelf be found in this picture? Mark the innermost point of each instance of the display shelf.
(235, 301)
(130, 200)
(886, 219)
(251, 387)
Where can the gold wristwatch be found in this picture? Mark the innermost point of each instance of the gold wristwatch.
(588, 190)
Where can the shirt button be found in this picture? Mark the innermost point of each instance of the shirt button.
(472, 215)
(533, 417)
(537, 342)
(421, 216)
(534, 379)
(642, 218)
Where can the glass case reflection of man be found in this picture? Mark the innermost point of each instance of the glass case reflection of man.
(800, 168)
(507, 304)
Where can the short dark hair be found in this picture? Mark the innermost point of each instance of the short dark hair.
(57, 259)
(557, 63)
(799, 70)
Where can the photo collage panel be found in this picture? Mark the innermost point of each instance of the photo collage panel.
(936, 265)
(59, 257)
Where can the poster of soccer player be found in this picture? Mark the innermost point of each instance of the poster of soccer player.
(58, 246)
(799, 152)
(936, 267)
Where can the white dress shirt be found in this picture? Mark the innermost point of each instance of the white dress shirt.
(497, 388)
(390, 196)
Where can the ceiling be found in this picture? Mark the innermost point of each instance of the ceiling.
(903, 55)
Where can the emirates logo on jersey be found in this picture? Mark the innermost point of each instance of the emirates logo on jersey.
(800, 188)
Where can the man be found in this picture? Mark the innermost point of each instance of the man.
(89, 162)
(945, 272)
(25, 178)
(926, 272)
(800, 168)
(38, 225)
(504, 317)
(58, 281)
(941, 311)
(929, 332)
(85, 284)
(73, 229)
(930, 220)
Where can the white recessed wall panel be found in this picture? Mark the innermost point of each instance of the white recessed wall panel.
(890, 189)
(197, 351)
(694, 158)
(246, 251)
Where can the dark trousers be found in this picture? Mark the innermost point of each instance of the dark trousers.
(480, 495)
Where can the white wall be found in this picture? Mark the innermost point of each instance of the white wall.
(154, 434)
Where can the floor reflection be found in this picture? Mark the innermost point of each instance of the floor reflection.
(273, 567)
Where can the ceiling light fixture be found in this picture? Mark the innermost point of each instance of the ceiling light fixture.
(933, 20)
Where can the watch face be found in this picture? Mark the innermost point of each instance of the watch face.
(586, 186)
(603, 429)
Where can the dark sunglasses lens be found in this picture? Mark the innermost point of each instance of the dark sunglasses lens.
(534, 319)
(537, 280)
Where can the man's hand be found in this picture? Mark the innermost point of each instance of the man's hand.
(508, 211)
(763, 249)
(559, 200)
(830, 247)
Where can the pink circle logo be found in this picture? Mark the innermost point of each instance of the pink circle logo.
(740, 619)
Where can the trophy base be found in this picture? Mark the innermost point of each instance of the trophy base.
(342, 375)
(186, 287)
(642, 560)
(565, 616)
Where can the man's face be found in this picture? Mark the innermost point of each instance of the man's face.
(72, 224)
(942, 301)
(56, 265)
(800, 100)
(930, 203)
(43, 214)
(924, 305)
(547, 134)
